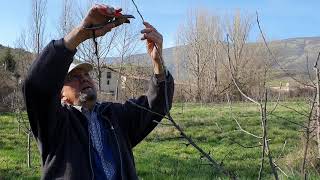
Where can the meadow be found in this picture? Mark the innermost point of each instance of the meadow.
(164, 155)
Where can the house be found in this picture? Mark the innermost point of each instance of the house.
(132, 81)
(109, 81)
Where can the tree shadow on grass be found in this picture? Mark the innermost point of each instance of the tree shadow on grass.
(171, 167)
(8, 174)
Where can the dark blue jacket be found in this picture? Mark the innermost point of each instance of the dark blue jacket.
(61, 131)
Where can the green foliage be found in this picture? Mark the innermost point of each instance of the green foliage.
(8, 61)
(162, 155)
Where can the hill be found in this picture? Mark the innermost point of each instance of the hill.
(290, 53)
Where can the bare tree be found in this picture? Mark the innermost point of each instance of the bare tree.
(24, 58)
(37, 25)
(198, 41)
(33, 43)
(242, 60)
(67, 19)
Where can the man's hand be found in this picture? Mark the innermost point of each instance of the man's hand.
(98, 14)
(153, 38)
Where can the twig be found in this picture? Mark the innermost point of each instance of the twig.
(164, 124)
(247, 132)
(283, 147)
(280, 169)
(305, 115)
(215, 164)
(278, 100)
(308, 132)
(234, 80)
(273, 168)
(289, 120)
(308, 71)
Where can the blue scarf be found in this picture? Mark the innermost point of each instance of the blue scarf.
(104, 166)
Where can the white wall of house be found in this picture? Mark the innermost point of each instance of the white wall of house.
(109, 81)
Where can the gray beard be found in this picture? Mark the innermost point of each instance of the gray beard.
(90, 96)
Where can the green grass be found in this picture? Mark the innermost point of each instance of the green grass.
(13, 151)
(163, 156)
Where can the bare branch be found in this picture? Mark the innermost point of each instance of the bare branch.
(233, 78)
(274, 58)
(251, 134)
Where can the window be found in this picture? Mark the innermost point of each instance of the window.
(108, 75)
(108, 82)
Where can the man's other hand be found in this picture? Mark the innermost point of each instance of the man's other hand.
(154, 38)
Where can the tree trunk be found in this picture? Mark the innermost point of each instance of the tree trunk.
(29, 150)
(198, 98)
(318, 110)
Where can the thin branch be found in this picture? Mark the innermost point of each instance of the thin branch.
(247, 132)
(164, 124)
(308, 132)
(273, 168)
(280, 169)
(289, 120)
(215, 164)
(283, 147)
(277, 102)
(274, 58)
(300, 113)
(233, 79)
(308, 71)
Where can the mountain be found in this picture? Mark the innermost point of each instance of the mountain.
(290, 53)
(145, 60)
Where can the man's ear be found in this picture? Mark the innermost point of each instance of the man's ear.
(63, 97)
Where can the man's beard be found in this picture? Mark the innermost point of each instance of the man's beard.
(88, 96)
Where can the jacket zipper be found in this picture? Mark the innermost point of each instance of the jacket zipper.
(118, 145)
(90, 156)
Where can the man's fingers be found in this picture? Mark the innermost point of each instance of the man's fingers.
(147, 30)
(105, 29)
(103, 10)
(109, 27)
(154, 37)
(147, 25)
(151, 33)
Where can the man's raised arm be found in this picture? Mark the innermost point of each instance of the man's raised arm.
(45, 79)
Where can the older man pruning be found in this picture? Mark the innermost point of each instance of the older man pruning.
(78, 137)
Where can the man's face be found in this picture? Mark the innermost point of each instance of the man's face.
(78, 88)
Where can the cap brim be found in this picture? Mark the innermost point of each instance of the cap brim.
(87, 67)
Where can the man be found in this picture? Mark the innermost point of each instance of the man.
(79, 138)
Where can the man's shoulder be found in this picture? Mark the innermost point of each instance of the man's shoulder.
(103, 106)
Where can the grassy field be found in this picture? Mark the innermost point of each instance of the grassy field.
(164, 156)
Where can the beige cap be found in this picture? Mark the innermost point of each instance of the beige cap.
(85, 66)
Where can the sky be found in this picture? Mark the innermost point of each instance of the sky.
(280, 19)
